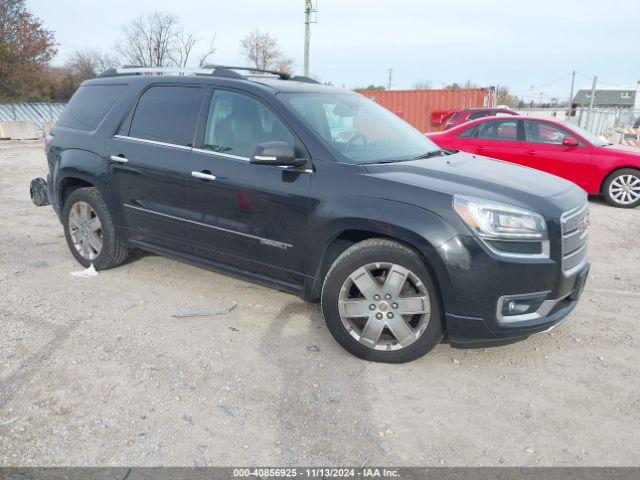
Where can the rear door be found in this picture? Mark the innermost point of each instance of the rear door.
(544, 151)
(495, 138)
(252, 217)
(149, 157)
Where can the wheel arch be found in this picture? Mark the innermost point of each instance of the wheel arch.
(78, 169)
(68, 185)
(341, 240)
(614, 170)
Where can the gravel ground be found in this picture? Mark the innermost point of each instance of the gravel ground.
(97, 371)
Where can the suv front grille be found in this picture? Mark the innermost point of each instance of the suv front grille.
(575, 232)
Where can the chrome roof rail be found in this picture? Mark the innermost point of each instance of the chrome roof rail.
(212, 70)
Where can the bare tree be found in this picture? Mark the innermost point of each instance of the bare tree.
(263, 50)
(207, 53)
(88, 63)
(180, 51)
(157, 40)
(423, 85)
(149, 41)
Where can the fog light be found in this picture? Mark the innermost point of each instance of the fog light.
(518, 305)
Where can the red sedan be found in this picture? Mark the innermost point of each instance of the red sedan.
(560, 148)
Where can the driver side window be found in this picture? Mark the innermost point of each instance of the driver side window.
(237, 123)
(542, 132)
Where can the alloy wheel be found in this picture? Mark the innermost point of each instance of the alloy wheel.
(625, 189)
(85, 230)
(384, 306)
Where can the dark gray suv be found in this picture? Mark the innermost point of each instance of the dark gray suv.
(322, 193)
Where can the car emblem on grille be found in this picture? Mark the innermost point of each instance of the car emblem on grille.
(583, 226)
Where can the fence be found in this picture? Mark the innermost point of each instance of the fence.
(604, 121)
(37, 112)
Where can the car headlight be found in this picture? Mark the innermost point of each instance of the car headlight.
(497, 221)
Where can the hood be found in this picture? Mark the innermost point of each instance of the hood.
(473, 175)
(626, 149)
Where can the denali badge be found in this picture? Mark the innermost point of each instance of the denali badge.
(273, 243)
(583, 226)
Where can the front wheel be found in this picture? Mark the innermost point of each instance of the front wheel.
(622, 188)
(381, 304)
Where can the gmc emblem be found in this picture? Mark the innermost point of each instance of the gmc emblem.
(583, 226)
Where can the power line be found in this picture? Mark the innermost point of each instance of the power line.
(538, 87)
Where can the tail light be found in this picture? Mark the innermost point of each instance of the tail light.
(47, 141)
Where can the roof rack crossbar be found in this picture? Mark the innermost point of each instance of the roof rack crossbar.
(219, 68)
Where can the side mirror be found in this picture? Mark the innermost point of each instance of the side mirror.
(276, 153)
(570, 142)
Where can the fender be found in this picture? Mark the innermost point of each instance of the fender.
(82, 165)
(417, 227)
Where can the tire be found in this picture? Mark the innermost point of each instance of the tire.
(365, 315)
(622, 188)
(87, 224)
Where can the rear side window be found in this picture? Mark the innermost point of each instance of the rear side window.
(506, 130)
(89, 105)
(166, 114)
(468, 132)
(475, 115)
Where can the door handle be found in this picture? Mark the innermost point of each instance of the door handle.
(119, 159)
(480, 148)
(531, 152)
(204, 175)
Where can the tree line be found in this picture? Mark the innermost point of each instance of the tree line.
(27, 49)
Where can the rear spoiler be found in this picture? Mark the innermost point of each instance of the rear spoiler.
(439, 117)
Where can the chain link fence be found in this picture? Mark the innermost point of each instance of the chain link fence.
(37, 112)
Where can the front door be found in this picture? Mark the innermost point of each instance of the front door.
(545, 151)
(149, 158)
(253, 217)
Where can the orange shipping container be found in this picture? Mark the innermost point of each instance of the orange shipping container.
(426, 109)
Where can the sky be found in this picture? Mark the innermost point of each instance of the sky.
(531, 47)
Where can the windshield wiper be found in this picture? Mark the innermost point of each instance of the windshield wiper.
(428, 155)
(397, 160)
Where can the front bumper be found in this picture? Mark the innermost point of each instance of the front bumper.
(480, 281)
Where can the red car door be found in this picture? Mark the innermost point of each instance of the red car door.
(544, 150)
(495, 138)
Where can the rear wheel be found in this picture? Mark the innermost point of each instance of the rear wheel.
(381, 304)
(622, 188)
(90, 232)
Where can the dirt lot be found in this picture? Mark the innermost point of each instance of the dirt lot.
(96, 371)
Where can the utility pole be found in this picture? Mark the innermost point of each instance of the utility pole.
(390, 71)
(593, 97)
(573, 82)
(308, 11)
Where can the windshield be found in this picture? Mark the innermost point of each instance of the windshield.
(359, 129)
(588, 136)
